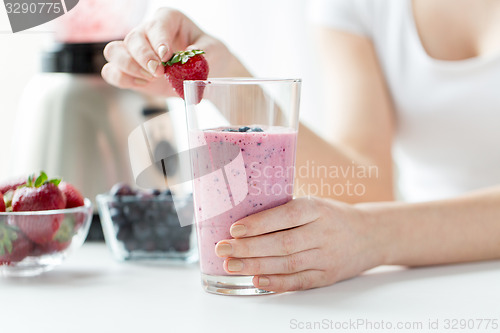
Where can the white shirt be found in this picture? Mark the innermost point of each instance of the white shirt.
(447, 112)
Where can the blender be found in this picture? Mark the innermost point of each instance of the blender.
(72, 123)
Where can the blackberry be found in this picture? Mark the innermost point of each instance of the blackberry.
(256, 129)
(244, 129)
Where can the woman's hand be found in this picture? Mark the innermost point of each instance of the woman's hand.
(306, 243)
(135, 62)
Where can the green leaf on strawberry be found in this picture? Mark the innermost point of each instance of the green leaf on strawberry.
(62, 239)
(7, 236)
(7, 198)
(41, 180)
(66, 230)
(182, 57)
(14, 246)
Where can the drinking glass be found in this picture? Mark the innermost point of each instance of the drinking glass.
(242, 137)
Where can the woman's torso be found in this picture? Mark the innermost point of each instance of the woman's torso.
(442, 66)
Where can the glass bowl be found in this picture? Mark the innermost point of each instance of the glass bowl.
(35, 242)
(148, 228)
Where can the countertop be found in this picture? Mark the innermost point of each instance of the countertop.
(91, 292)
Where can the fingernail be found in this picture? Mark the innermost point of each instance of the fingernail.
(224, 249)
(147, 74)
(152, 66)
(162, 50)
(263, 281)
(235, 265)
(238, 230)
(140, 82)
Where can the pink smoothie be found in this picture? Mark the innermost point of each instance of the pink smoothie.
(259, 178)
(99, 20)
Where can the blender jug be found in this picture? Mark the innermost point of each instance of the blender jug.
(74, 124)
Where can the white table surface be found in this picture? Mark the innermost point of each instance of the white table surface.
(93, 293)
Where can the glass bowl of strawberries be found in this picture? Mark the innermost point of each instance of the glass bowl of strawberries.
(41, 222)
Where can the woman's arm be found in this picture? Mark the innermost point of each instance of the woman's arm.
(360, 118)
(358, 108)
(135, 62)
(312, 242)
(465, 228)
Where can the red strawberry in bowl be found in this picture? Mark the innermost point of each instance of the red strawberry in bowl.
(14, 246)
(38, 195)
(62, 239)
(12, 184)
(73, 197)
(2, 203)
(186, 65)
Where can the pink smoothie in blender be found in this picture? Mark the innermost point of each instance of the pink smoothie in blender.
(92, 21)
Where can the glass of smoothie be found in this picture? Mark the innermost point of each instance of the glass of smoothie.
(242, 140)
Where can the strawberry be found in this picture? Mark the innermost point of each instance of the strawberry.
(38, 195)
(2, 203)
(14, 246)
(7, 200)
(62, 239)
(12, 184)
(73, 197)
(186, 65)
(52, 247)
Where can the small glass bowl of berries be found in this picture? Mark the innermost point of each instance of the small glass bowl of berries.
(42, 221)
(145, 225)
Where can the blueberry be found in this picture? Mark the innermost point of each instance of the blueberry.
(155, 192)
(144, 196)
(229, 130)
(124, 233)
(151, 216)
(184, 234)
(187, 230)
(133, 213)
(172, 220)
(167, 193)
(163, 244)
(150, 245)
(244, 129)
(256, 129)
(163, 209)
(181, 246)
(161, 230)
(142, 231)
(117, 217)
(121, 189)
(116, 204)
(131, 244)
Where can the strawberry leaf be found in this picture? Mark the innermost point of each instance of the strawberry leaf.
(7, 198)
(41, 179)
(29, 183)
(182, 57)
(56, 182)
(7, 236)
(65, 232)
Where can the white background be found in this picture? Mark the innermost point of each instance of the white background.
(271, 37)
